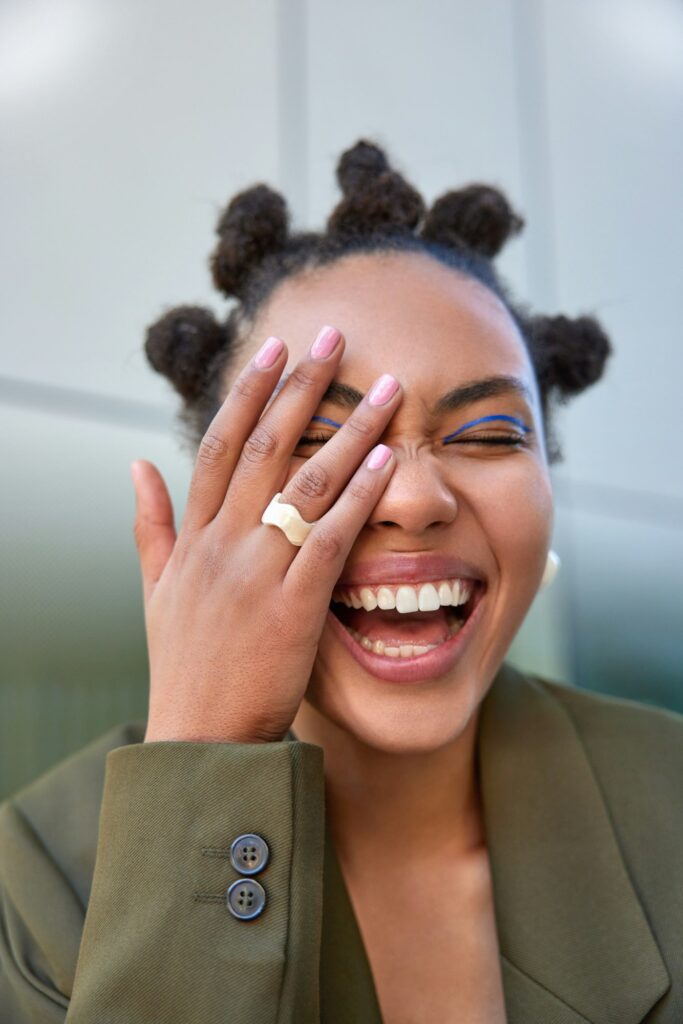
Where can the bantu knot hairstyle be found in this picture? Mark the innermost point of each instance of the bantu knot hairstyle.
(477, 216)
(182, 344)
(379, 211)
(376, 199)
(253, 225)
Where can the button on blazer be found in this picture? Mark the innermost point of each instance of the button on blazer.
(115, 868)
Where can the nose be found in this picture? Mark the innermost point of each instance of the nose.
(416, 496)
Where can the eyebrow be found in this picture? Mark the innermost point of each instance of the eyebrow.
(348, 397)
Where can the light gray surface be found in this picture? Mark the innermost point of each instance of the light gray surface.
(127, 127)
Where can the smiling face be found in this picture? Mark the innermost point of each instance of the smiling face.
(489, 504)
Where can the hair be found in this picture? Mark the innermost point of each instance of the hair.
(379, 211)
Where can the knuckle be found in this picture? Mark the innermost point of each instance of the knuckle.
(303, 379)
(212, 450)
(310, 482)
(360, 427)
(360, 491)
(244, 388)
(260, 445)
(327, 545)
(138, 533)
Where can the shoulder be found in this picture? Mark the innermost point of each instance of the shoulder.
(619, 725)
(636, 754)
(58, 812)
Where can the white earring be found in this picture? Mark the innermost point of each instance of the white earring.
(552, 567)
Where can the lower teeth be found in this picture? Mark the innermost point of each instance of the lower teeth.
(405, 650)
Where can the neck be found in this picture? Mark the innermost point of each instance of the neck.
(406, 803)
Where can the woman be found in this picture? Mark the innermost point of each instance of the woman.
(344, 806)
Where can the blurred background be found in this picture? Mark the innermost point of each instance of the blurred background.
(126, 126)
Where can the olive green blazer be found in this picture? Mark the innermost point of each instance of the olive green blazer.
(114, 867)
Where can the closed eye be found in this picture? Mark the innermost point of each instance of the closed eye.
(494, 439)
(509, 439)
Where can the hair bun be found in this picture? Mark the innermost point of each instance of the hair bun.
(376, 198)
(181, 344)
(359, 166)
(478, 216)
(570, 354)
(254, 224)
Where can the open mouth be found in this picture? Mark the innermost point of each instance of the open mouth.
(406, 634)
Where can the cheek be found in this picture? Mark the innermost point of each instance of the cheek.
(515, 509)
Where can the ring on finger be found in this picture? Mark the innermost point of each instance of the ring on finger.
(288, 518)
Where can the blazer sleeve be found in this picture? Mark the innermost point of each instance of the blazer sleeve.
(159, 942)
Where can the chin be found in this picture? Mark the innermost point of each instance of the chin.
(392, 718)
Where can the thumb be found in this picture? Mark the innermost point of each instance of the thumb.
(153, 528)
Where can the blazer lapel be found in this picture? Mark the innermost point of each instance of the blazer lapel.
(575, 943)
(347, 989)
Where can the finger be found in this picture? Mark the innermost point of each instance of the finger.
(317, 484)
(153, 528)
(225, 436)
(267, 452)
(321, 558)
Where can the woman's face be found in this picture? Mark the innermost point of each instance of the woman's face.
(408, 315)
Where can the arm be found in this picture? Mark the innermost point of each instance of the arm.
(159, 943)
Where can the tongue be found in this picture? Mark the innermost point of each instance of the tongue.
(394, 627)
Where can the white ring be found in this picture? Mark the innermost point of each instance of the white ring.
(288, 519)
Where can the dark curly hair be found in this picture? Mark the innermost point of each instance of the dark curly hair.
(379, 211)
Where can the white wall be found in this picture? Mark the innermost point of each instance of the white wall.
(127, 126)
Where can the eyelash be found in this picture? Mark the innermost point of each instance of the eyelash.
(511, 440)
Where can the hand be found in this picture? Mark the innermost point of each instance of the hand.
(233, 611)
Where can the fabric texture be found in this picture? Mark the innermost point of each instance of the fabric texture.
(114, 867)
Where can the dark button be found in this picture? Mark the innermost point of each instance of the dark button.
(246, 898)
(249, 854)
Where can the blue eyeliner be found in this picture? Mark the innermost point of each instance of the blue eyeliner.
(483, 419)
(324, 419)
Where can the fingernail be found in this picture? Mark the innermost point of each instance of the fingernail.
(379, 456)
(134, 471)
(383, 389)
(268, 353)
(326, 342)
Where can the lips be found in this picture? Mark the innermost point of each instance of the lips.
(409, 567)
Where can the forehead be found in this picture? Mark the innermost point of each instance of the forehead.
(401, 313)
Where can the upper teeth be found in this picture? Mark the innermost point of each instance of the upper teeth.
(427, 597)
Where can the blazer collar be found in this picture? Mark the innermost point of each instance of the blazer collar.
(575, 944)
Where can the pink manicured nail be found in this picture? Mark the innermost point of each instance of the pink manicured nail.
(379, 456)
(268, 353)
(326, 342)
(383, 389)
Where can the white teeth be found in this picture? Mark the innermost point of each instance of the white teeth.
(403, 650)
(428, 599)
(368, 598)
(386, 598)
(406, 599)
